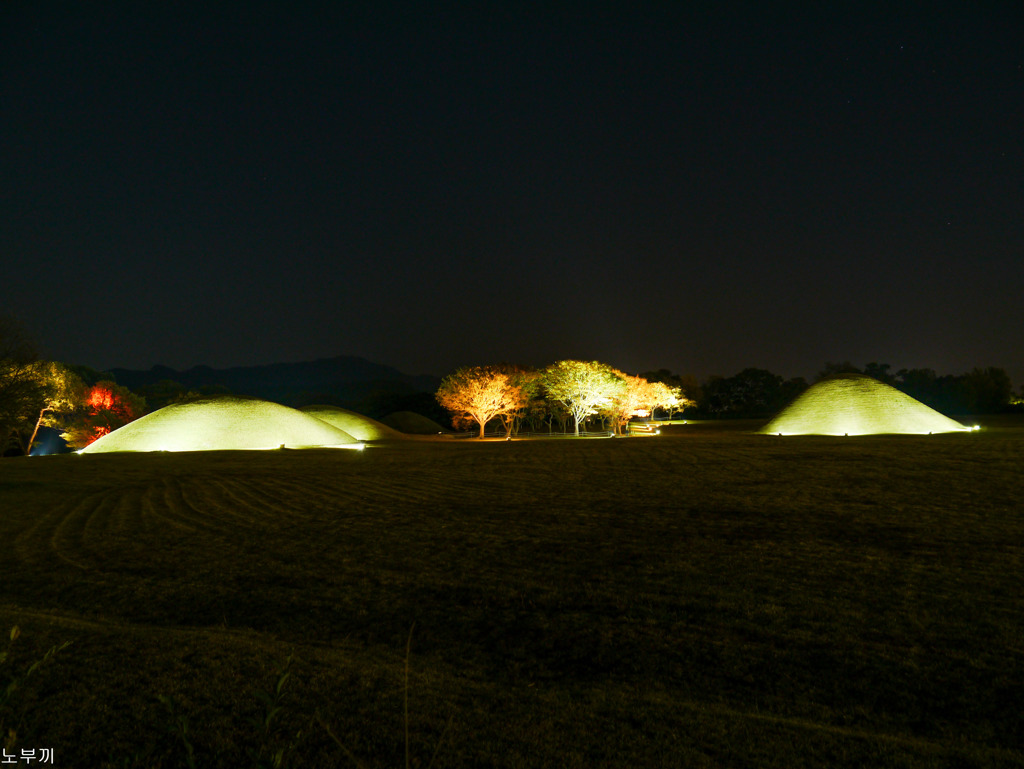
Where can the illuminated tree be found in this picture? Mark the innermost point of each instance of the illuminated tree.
(481, 393)
(107, 406)
(640, 398)
(21, 389)
(63, 391)
(659, 395)
(584, 388)
(528, 383)
(686, 388)
(631, 401)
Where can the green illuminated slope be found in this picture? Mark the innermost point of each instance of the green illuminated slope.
(222, 423)
(358, 426)
(854, 404)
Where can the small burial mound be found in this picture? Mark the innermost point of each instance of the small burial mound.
(358, 426)
(222, 423)
(413, 424)
(854, 404)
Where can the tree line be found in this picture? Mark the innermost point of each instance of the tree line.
(574, 392)
(760, 393)
(83, 404)
(982, 390)
(566, 391)
(80, 403)
(37, 393)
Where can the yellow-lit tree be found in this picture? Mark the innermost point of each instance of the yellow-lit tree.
(21, 390)
(481, 393)
(584, 388)
(64, 392)
(661, 396)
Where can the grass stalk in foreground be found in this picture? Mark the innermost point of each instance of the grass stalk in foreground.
(179, 728)
(408, 761)
(14, 682)
(267, 757)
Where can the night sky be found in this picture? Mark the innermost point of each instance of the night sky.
(428, 186)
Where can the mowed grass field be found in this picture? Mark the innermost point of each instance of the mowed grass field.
(708, 597)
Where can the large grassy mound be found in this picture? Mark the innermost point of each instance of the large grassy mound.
(360, 427)
(854, 404)
(221, 423)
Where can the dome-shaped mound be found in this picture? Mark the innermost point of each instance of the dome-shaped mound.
(412, 423)
(220, 423)
(358, 426)
(854, 404)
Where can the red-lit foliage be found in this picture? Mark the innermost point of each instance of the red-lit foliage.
(98, 431)
(102, 397)
(99, 397)
(107, 406)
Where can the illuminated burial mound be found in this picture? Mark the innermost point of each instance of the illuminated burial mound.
(358, 426)
(222, 423)
(854, 404)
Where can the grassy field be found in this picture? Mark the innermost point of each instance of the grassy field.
(704, 598)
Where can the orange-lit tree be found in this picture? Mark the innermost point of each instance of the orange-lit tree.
(107, 407)
(640, 398)
(527, 381)
(631, 401)
(583, 387)
(481, 393)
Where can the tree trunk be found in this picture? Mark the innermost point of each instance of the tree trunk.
(28, 449)
(482, 425)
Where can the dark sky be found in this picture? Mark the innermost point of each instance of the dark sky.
(428, 186)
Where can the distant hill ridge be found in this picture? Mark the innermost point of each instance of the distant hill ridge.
(343, 380)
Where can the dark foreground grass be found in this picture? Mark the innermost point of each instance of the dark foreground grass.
(705, 598)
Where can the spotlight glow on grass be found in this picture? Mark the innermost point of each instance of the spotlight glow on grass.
(854, 404)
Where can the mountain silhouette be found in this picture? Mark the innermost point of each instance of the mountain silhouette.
(348, 381)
